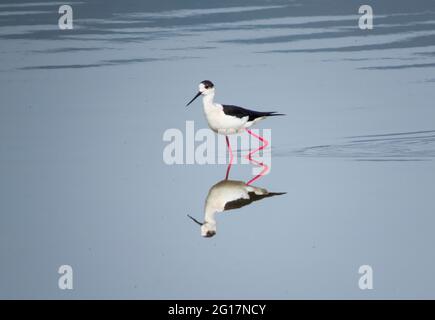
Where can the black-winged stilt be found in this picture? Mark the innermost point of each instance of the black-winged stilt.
(227, 195)
(228, 119)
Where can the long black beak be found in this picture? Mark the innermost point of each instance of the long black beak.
(197, 95)
(194, 220)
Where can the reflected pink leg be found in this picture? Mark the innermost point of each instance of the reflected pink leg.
(249, 156)
(231, 158)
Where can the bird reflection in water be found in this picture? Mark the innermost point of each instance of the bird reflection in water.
(227, 195)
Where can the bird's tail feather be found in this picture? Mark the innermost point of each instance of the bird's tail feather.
(273, 113)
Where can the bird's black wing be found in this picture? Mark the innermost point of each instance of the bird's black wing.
(240, 112)
(236, 204)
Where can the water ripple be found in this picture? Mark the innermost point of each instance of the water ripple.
(401, 146)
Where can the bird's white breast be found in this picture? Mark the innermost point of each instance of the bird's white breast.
(224, 192)
(221, 123)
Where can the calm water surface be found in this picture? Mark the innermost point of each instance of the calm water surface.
(83, 181)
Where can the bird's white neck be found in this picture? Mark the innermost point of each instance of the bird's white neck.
(207, 100)
(209, 223)
(210, 215)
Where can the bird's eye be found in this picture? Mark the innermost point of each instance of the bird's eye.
(206, 87)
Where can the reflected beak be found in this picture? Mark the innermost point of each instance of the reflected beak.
(194, 220)
(197, 95)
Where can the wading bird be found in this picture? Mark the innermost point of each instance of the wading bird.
(227, 195)
(228, 119)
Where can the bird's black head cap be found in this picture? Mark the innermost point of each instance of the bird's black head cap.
(207, 84)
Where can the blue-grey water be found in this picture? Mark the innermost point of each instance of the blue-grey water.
(83, 182)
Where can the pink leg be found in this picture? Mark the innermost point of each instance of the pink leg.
(249, 156)
(231, 158)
